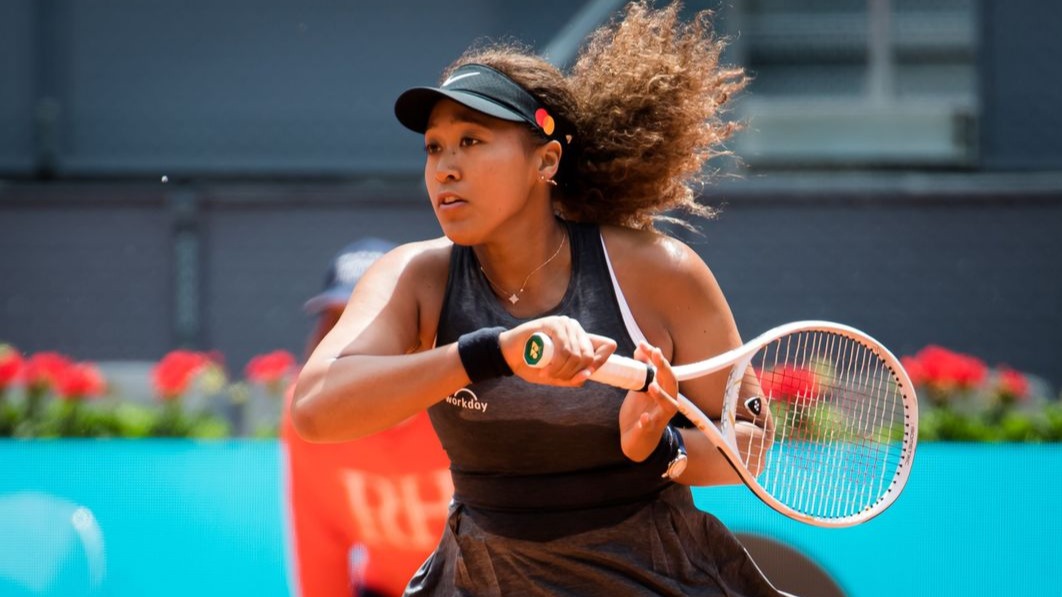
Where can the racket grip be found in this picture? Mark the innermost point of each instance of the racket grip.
(617, 371)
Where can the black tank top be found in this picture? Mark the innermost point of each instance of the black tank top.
(521, 447)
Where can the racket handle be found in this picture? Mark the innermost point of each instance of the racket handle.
(621, 372)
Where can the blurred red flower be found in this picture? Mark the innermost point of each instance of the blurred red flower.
(796, 385)
(945, 370)
(176, 371)
(79, 381)
(271, 369)
(215, 357)
(11, 363)
(1012, 384)
(43, 371)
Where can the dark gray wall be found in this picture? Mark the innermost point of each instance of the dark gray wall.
(241, 87)
(98, 271)
(981, 274)
(278, 88)
(86, 272)
(19, 66)
(1021, 50)
(129, 271)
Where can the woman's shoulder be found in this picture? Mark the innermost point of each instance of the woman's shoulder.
(660, 273)
(423, 254)
(414, 266)
(409, 283)
(671, 290)
(651, 251)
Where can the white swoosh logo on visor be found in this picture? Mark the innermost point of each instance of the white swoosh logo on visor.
(458, 78)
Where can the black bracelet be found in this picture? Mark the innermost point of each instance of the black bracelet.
(481, 354)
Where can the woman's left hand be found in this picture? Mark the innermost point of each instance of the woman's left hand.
(644, 415)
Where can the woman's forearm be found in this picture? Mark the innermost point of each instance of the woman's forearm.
(707, 466)
(351, 396)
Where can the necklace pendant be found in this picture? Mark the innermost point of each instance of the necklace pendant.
(513, 298)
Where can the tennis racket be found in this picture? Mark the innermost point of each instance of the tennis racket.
(819, 419)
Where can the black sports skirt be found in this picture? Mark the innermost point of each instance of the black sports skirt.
(664, 547)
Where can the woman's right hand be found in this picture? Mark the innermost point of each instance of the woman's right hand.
(576, 353)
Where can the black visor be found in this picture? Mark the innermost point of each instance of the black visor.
(480, 88)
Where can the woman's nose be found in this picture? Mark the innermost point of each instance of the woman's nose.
(446, 167)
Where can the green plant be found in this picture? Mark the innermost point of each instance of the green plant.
(963, 399)
(48, 395)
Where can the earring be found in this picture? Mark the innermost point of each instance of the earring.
(547, 180)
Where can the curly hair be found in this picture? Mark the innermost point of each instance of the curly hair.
(645, 99)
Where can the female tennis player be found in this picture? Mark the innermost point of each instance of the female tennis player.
(547, 188)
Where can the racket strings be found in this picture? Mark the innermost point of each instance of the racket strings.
(831, 448)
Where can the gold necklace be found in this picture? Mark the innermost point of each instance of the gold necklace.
(514, 297)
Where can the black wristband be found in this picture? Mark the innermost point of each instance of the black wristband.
(481, 354)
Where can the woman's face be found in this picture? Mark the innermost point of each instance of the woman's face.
(479, 171)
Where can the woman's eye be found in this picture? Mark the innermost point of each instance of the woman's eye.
(468, 141)
(431, 148)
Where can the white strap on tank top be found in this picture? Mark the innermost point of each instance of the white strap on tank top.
(633, 330)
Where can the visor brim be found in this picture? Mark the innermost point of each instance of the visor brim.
(413, 107)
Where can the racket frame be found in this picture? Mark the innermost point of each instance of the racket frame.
(632, 374)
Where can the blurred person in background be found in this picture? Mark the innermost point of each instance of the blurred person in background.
(363, 515)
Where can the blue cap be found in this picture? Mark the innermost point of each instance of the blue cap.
(346, 269)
